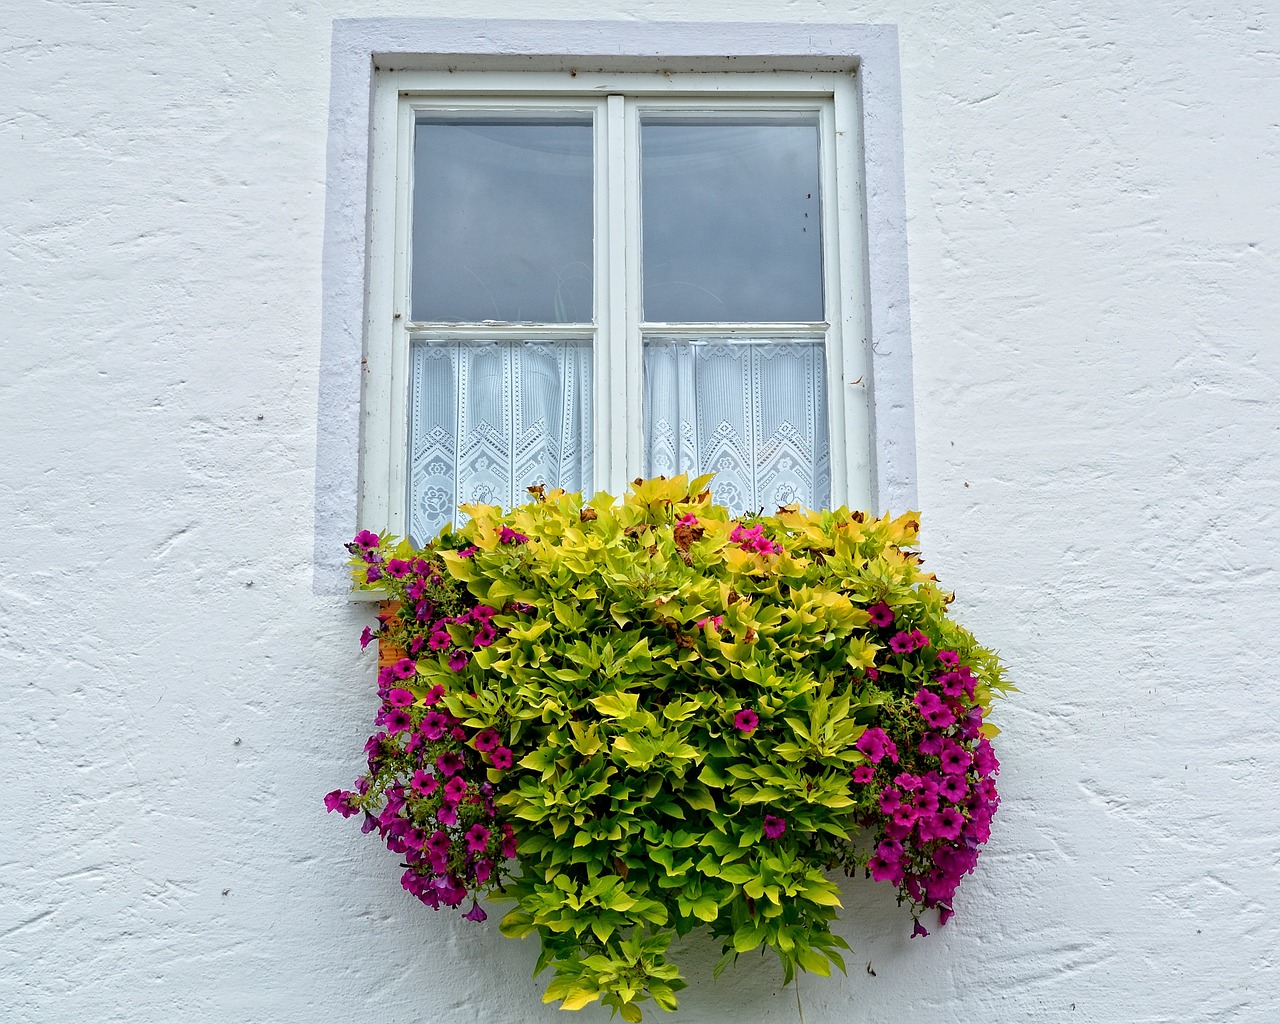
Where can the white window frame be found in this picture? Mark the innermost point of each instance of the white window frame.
(616, 102)
(851, 69)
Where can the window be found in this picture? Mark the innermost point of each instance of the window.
(595, 277)
(579, 270)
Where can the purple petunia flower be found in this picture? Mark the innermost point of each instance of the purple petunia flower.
(881, 615)
(745, 721)
(449, 763)
(509, 536)
(366, 638)
(433, 695)
(455, 789)
(424, 783)
(487, 740)
(874, 743)
(373, 574)
(340, 801)
(398, 720)
(476, 913)
(501, 759)
(440, 641)
(399, 698)
(458, 660)
(863, 773)
(774, 826)
(477, 838)
(397, 568)
(447, 815)
(950, 659)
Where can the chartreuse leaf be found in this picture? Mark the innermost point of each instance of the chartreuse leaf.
(643, 806)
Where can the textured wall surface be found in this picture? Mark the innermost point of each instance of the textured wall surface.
(1093, 232)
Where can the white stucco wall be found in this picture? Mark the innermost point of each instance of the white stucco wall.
(1093, 232)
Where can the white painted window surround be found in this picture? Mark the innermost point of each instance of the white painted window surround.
(380, 65)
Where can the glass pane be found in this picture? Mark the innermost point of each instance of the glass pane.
(502, 218)
(752, 412)
(489, 419)
(730, 219)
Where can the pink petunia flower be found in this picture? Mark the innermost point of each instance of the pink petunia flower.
(863, 773)
(949, 658)
(477, 838)
(774, 826)
(501, 759)
(509, 536)
(449, 764)
(424, 783)
(476, 913)
(745, 721)
(881, 615)
(455, 789)
(487, 740)
(366, 638)
(458, 660)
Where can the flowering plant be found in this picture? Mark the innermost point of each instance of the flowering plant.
(636, 718)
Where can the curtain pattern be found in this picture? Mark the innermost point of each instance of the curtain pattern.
(752, 412)
(489, 419)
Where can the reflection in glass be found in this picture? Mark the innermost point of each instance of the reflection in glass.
(489, 419)
(730, 218)
(752, 412)
(502, 218)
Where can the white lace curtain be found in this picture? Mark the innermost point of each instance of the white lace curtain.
(489, 419)
(752, 412)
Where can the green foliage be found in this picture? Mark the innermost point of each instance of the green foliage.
(631, 637)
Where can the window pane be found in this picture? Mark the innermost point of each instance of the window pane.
(488, 419)
(502, 218)
(730, 218)
(752, 412)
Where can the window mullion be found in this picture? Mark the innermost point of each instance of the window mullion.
(613, 418)
(633, 345)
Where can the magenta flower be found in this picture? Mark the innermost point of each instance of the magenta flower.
(714, 621)
(341, 801)
(424, 784)
(884, 870)
(399, 698)
(458, 660)
(874, 743)
(688, 519)
(397, 567)
(455, 789)
(984, 758)
(449, 764)
(447, 814)
(398, 720)
(501, 759)
(477, 839)
(955, 759)
(873, 673)
(405, 668)
(487, 740)
(863, 773)
(433, 695)
(440, 641)
(509, 536)
(468, 552)
(890, 800)
(372, 574)
(508, 841)
(433, 725)
(919, 930)
(484, 869)
(950, 659)
(774, 826)
(901, 643)
(366, 638)
(745, 721)
(881, 615)
(476, 913)
(439, 842)
(485, 635)
(930, 744)
(953, 788)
